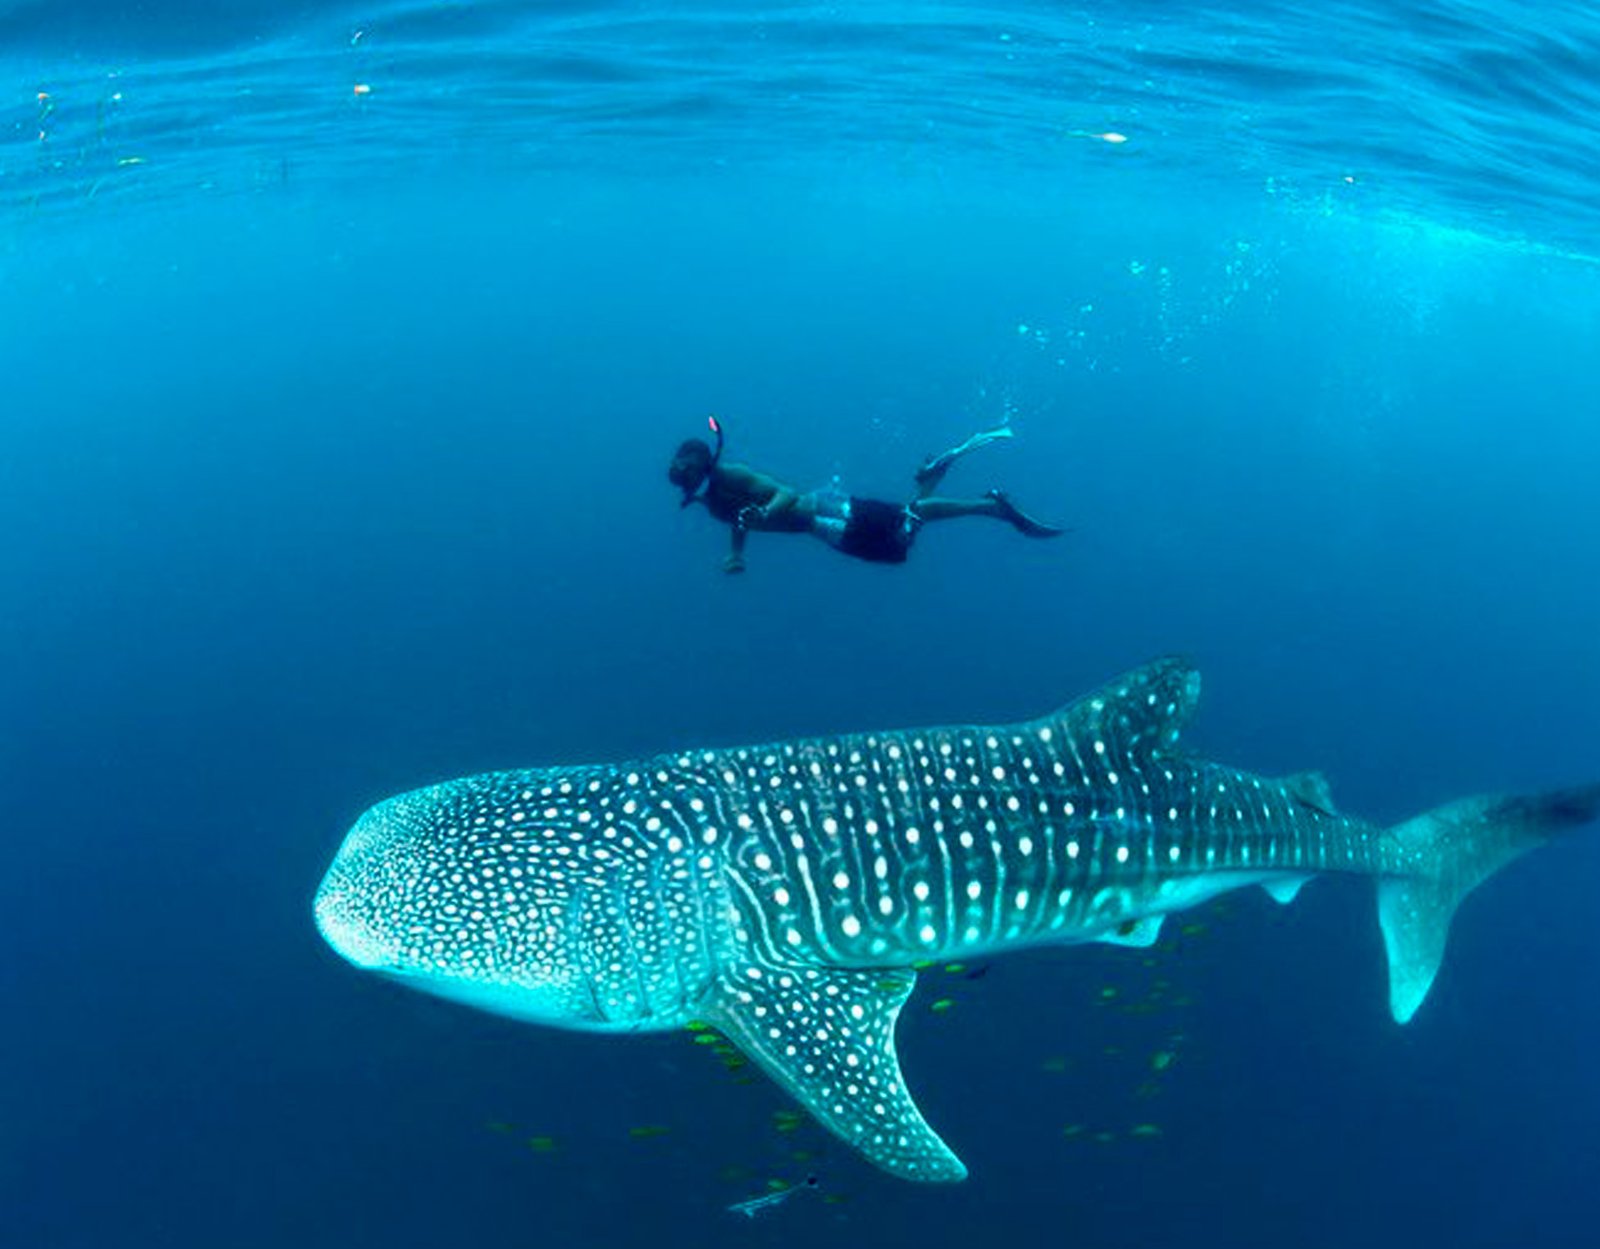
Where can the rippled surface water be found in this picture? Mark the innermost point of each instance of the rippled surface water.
(1471, 115)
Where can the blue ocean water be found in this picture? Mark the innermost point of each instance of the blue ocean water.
(344, 347)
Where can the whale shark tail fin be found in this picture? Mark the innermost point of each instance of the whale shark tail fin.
(1454, 849)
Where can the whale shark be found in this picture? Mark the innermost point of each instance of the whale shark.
(784, 894)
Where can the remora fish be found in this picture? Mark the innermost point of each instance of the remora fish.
(781, 893)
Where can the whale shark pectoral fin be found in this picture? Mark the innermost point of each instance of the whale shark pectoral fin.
(1141, 713)
(827, 1036)
(1139, 933)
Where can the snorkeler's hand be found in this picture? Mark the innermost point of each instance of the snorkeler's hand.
(750, 515)
(734, 563)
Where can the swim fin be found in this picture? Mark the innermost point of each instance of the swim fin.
(1021, 520)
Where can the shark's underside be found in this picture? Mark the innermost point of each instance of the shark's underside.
(783, 893)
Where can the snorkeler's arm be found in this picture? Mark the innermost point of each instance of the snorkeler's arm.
(783, 500)
(735, 560)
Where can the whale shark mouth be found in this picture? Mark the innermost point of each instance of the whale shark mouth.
(354, 941)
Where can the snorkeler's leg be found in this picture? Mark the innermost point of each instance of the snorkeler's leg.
(933, 469)
(996, 504)
(951, 509)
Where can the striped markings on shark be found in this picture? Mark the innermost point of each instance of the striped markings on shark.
(784, 894)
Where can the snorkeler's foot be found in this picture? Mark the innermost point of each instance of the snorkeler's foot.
(1021, 520)
(936, 466)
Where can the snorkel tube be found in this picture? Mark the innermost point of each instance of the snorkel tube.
(716, 452)
(689, 496)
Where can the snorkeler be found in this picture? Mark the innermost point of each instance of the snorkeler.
(868, 529)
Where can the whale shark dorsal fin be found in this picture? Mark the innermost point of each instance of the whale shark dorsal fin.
(1311, 789)
(1142, 711)
(826, 1035)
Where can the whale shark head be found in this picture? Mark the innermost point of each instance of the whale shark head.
(419, 892)
(354, 903)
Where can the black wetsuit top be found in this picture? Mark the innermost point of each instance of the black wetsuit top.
(725, 505)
